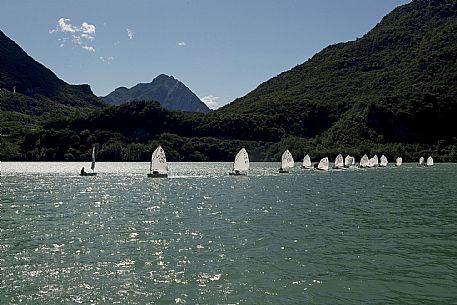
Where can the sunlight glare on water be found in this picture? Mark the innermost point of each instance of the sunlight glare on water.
(378, 236)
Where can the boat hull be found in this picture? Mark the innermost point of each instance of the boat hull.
(157, 175)
(237, 174)
(88, 174)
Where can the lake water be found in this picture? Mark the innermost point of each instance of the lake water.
(377, 236)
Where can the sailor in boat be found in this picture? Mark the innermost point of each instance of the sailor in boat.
(83, 171)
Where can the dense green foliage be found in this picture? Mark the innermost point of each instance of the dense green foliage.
(392, 92)
(404, 70)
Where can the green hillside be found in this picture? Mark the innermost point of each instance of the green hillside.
(393, 82)
(30, 78)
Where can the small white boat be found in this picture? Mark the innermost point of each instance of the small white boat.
(92, 166)
(339, 162)
(421, 161)
(429, 161)
(398, 161)
(323, 164)
(383, 162)
(364, 162)
(287, 162)
(241, 164)
(307, 162)
(348, 161)
(375, 161)
(158, 167)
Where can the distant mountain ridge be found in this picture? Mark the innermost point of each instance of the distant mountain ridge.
(30, 78)
(168, 91)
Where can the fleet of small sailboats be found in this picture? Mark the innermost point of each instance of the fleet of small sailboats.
(241, 164)
(158, 167)
(287, 162)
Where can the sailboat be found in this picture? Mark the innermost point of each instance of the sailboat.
(429, 161)
(241, 163)
(323, 164)
(421, 161)
(348, 161)
(287, 162)
(339, 162)
(158, 167)
(398, 161)
(307, 162)
(92, 166)
(364, 161)
(375, 161)
(384, 161)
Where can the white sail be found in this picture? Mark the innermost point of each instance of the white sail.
(364, 161)
(421, 161)
(323, 164)
(92, 166)
(399, 161)
(307, 162)
(159, 160)
(241, 162)
(353, 160)
(339, 161)
(430, 161)
(375, 160)
(384, 161)
(348, 161)
(287, 161)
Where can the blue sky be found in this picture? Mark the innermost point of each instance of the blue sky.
(220, 49)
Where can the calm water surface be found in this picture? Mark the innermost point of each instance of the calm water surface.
(378, 236)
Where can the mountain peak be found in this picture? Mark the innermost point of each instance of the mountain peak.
(168, 91)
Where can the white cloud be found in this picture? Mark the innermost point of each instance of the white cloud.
(63, 26)
(77, 39)
(211, 101)
(88, 37)
(89, 48)
(87, 28)
(130, 33)
(82, 35)
(182, 44)
(107, 60)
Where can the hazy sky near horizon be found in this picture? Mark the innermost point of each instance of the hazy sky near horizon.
(220, 49)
